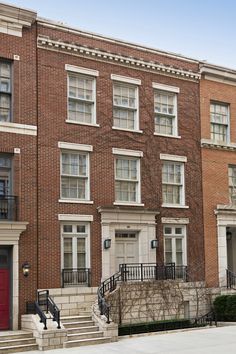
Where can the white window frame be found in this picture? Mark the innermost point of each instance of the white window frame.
(232, 187)
(74, 236)
(136, 157)
(227, 125)
(180, 161)
(127, 82)
(173, 90)
(173, 236)
(8, 93)
(83, 72)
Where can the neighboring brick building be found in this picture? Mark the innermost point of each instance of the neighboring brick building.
(218, 124)
(103, 142)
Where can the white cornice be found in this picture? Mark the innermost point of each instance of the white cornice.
(13, 19)
(219, 74)
(68, 29)
(79, 50)
(209, 144)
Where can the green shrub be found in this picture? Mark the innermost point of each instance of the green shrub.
(225, 307)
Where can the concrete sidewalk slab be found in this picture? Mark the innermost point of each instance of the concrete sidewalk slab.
(202, 341)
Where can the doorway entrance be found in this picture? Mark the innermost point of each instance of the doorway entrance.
(126, 249)
(5, 287)
(231, 248)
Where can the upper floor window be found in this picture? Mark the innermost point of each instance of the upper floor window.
(74, 175)
(165, 110)
(232, 184)
(173, 183)
(5, 91)
(127, 179)
(219, 122)
(81, 96)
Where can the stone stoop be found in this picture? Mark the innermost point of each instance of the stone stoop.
(17, 341)
(81, 331)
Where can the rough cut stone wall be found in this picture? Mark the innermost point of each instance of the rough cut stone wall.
(159, 300)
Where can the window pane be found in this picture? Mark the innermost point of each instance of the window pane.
(67, 228)
(68, 253)
(81, 228)
(81, 253)
(178, 231)
(167, 230)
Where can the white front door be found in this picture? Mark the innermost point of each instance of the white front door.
(126, 248)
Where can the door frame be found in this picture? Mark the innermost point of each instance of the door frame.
(9, 268)
(134, 240)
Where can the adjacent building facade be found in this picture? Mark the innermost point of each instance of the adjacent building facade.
(104, 160)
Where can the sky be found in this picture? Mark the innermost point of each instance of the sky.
(200, 29)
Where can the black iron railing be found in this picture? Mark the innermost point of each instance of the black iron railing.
(149, 271)
(46, 304)
(39, 311)
(231, 279)
(207, 319)
(76, 276)
(8, 207)
(137, 272)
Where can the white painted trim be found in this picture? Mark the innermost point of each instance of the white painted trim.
(82, 123)
(177, 221)
(177, 158)
(173, 244)
(75, 217)
(176, 206)
(126, 152)
(128, 204)
(128, 130)
(80, 70)
(164, 87)
(126, 79)
(24, 129)
(75, 201)
(73, 146)
(168, 136)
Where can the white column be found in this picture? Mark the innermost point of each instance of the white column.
(106, 253)
(222, 254)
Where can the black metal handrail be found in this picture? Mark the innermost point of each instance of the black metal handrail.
(231, 279)
(39, 311)
(76, 276)
(208, 318)
(8, 207)
(46, 303)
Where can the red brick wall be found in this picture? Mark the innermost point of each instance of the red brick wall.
(215, 170)
(53, 128)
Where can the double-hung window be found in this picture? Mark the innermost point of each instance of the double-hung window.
(175, 244)
(5, 91)
(74, 175)
(232, 184)
(127, 176)
(165, 109)
(219, 122)
(127, 179)
(173, 183)
(125, 104)
(81, 95)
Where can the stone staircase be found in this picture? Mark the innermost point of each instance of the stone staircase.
(82, 331)
(17, 341)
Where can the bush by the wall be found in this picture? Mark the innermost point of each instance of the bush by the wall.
(225, 308)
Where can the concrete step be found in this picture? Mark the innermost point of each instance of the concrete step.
(86, 335)
(15, 335)
(66, 319)
(15, 342)
(18, 348)
(82, 329)
(78, 324)
(82, 342)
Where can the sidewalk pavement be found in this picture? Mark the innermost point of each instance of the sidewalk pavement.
(199, 341)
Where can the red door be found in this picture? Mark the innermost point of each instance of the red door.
(4, 298)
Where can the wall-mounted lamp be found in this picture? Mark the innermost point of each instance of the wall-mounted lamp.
(25, 269)
(154, 243)
(228, 235)
(107, 243)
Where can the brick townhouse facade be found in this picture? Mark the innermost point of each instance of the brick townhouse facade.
(218, 127)
(100, 156)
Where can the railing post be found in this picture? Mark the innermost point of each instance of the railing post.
(156, 275)
(141, 271)
(47, 294)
